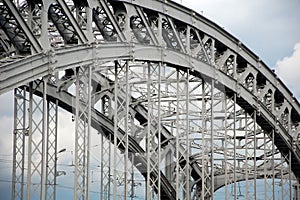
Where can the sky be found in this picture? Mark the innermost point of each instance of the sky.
(270, 28)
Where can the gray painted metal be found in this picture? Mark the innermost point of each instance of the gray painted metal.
(169, 37)
(65, 60)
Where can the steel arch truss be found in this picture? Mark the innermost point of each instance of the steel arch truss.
(182, 103)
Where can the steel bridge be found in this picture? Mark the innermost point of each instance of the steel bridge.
(173, 97)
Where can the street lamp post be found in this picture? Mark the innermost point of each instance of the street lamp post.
(56, 172)
(59, 173)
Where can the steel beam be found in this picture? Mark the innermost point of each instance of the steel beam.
(82, 133)
(51, 151)
(121, 119)
(266, 119)
(20, 20)
(81, 35)
(171, 58)
(21, 130)
(36, 143)
(51, 147)
(153, 142)
(105, 126)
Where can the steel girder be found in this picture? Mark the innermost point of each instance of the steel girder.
(51, 146)
(209, 52)
(106, 127)
(21, 129)
(17, 29)
(220, 179)
(141, 114)
(147, 53)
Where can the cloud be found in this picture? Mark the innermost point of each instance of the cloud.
(5, 156)
(66, 130)
(288, 69)
(6, 104)
(6, 127)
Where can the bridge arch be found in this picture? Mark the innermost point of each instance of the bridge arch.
(177, 38)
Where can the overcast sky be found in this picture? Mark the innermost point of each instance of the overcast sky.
(270, 28)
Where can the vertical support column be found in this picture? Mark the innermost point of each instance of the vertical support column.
(105, 190)
(182, 136)
(121, 121)
(250, 152)
(177, 167)
(117, 111)
(105, 151)
(234, 148)
(268, 168)
(282, 181)
(158, 107)
(247, 168)
(254, 155)
(158, 104)
(290, 176)
(36, 147)
(186, 170)
(212, 174)
(20, 133)
(153, 143)
(51, 148)
(285, 173)
(226, 166)
(205, 161)
(82, 132)
(127, 185)
(230, 146)
(273, 164)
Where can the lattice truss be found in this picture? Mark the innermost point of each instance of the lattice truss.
(198, 123)
(187, 129)
(21, 130)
